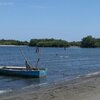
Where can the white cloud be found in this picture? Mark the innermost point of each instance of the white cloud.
(6, 3)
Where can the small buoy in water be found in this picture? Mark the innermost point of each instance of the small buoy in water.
(56, 54)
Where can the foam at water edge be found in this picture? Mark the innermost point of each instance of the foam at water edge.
(4, 91)
(92, 74)
(42, 84)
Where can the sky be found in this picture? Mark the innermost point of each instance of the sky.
(69, 20)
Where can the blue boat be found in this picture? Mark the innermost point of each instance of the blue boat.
(27, 71)
(23, 72)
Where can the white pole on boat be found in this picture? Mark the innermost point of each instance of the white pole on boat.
(37, 62)
(28, 66)
(23, 54)
(38, 59)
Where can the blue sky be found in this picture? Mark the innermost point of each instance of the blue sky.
(70, 20)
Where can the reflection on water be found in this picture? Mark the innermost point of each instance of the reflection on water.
(17, 83)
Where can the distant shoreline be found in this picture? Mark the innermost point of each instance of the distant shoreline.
(86, 42)
(8, 45)
(12, 45)
(34, 46)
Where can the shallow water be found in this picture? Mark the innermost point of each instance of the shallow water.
(61, 64)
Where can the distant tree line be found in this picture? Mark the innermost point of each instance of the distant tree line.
(90, 42)
(86, 42)
(49, 43)
(13, 42)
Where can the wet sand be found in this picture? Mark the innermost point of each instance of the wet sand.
(87, 88)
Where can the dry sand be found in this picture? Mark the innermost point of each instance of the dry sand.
(78, 89)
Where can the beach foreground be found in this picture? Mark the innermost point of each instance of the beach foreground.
(84, 88)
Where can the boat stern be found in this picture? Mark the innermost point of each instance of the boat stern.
(43, 73)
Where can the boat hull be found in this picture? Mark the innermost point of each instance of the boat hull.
(23, 73)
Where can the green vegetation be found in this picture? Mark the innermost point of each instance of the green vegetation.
(90, 42)
(48, 43)
(12, 42)
(86, 42)
(74, 43)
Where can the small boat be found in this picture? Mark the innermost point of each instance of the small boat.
(27, 71)
(22, 71)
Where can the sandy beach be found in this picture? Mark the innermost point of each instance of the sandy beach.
(87, 88)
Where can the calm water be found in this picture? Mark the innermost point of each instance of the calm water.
(61, 64)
